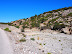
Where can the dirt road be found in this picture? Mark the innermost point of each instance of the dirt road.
(5, 47)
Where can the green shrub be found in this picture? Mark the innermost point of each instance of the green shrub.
(24, 35)
(58, 26)
(37, 25)
(7, 29)
(50, 24)
(24, 26)
(35, 16)
(66, 21)
(55, 10)
(44, 13)
(59, 40)
(56, 15)
(44, 44)
(49, 53)
(23, 40)
(70, 14)
(26, 23)
(61, 44)
(60, 22)
(53, 20)
(43, 19)
(47, 16)
(50, 12)
(69, 7)
(32, 39)
(44, 23)
(34, 24)
(39, 16)
(58, 10)
(12, 25)
(17, 26)
(40, 44)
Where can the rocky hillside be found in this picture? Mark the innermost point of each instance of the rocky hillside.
(59, 20)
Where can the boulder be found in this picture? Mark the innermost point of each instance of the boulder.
(67, 30)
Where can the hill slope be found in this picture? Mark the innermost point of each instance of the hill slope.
(60, 20)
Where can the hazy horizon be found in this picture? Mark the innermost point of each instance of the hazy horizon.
(18, 9)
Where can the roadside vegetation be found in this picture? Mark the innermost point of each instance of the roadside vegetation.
(49, 53)
(23, 40)
(7, 29)
(17, 26)
(32, 39)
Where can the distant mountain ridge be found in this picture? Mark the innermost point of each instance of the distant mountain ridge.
(54, 20)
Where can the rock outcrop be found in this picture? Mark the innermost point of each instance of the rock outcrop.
(67, 30)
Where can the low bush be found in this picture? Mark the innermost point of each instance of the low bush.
(34, 24)
(49, 53)
(59, 40)
(44, 44)
(17, 26)
(44, 23)
(58, 26)
(50, 12)
(53, 20)
(37, 25)
(40, 44)
(60, 22)
(32, 39)
(23, 40)
(70, 14)
(25, 23)
(43, 19)
(24, 35)
(24, 26)
(7, 29)
(33, 18)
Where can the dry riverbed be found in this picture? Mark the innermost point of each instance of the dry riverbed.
(39, 42)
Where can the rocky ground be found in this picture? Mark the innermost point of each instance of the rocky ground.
(39, 42)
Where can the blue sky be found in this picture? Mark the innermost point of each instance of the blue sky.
(11, 10)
